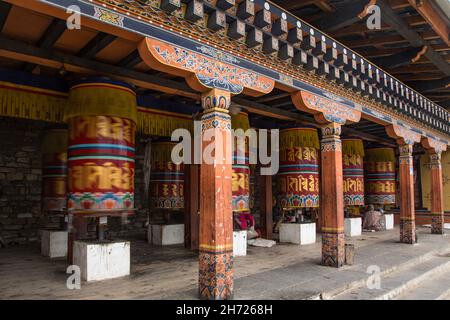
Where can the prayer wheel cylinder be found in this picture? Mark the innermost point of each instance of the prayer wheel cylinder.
(353, 171)
(298, 178)
(379, 165)
(241, 166)
(166, 179)
(101, 117)
(54, 171)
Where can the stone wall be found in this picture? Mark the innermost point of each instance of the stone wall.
(21, 216)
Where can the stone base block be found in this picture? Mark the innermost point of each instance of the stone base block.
(102, 260)
(298, 233)
(353, 227)
(165, 235)
(389, 221)
(239, 243)
(54, 243)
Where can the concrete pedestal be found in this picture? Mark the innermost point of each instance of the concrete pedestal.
(239, 243)
(353, 227)
(304, 233)
(54, 243)
(389, 221)
(165, 235)
(102, 260)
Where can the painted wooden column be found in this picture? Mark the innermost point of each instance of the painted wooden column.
(266, 206)
(407, 211)
(332, 199)
(437, 194)
(434, 149)
(216, 219)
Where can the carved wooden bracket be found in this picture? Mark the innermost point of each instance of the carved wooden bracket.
(404, 135)
(325, 110)
(211, 69)
(433, 145)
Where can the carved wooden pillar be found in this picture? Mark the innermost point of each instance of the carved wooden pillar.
(437, 196)
(332, 198)
(216, 219)
(407, 214)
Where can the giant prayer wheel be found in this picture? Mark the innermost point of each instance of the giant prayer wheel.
(379, 164)
(54, 171)
(101, 117)
(241, 166)
(166, 178)
(353, 171)
(298, 178)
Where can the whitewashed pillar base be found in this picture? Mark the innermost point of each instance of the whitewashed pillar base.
(165, 235)
(240, 243)
(101, 261)
(54, 243)
(298, 233)
(389, 221)
(353, 227)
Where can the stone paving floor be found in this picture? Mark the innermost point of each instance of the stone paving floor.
(282, 272)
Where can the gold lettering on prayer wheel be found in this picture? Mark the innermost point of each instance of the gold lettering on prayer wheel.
(353, 171)
(102, 125)
(298, 178)
(379, 165)
(54, 171)
(166, 179)
(241, 166)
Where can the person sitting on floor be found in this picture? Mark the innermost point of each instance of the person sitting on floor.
(373, 220)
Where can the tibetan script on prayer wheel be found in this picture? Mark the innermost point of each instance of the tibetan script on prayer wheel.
(54, 171)
(379, 164)
(167, 178)
(298, 178)
(101, 149)
(353, 171)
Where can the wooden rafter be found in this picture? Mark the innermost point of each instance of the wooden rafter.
(436, 21)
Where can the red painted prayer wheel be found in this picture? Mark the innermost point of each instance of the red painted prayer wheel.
(298, 178)
(241, 167)
(102, 124)
(379, 165)
(353, 171)
(166, 179)
(54, 171)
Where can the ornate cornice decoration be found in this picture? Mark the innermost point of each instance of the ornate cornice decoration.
(403, 134)
(203, 72)
(326, 110)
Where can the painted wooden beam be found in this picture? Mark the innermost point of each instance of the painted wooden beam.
(131, 60)
(21, 51)
(5, 8)
(400, 59)
(389, 16)
(55, 30)
(431, 85)
(97, 44)
(345, 16)
(433, 17)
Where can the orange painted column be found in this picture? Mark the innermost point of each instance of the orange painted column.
(407, 213)
(437, 194)
(216, 218)
(332, 198)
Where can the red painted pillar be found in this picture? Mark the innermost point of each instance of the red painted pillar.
(437, 194)
(216, 219)
(407, 213)
(332, 198)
